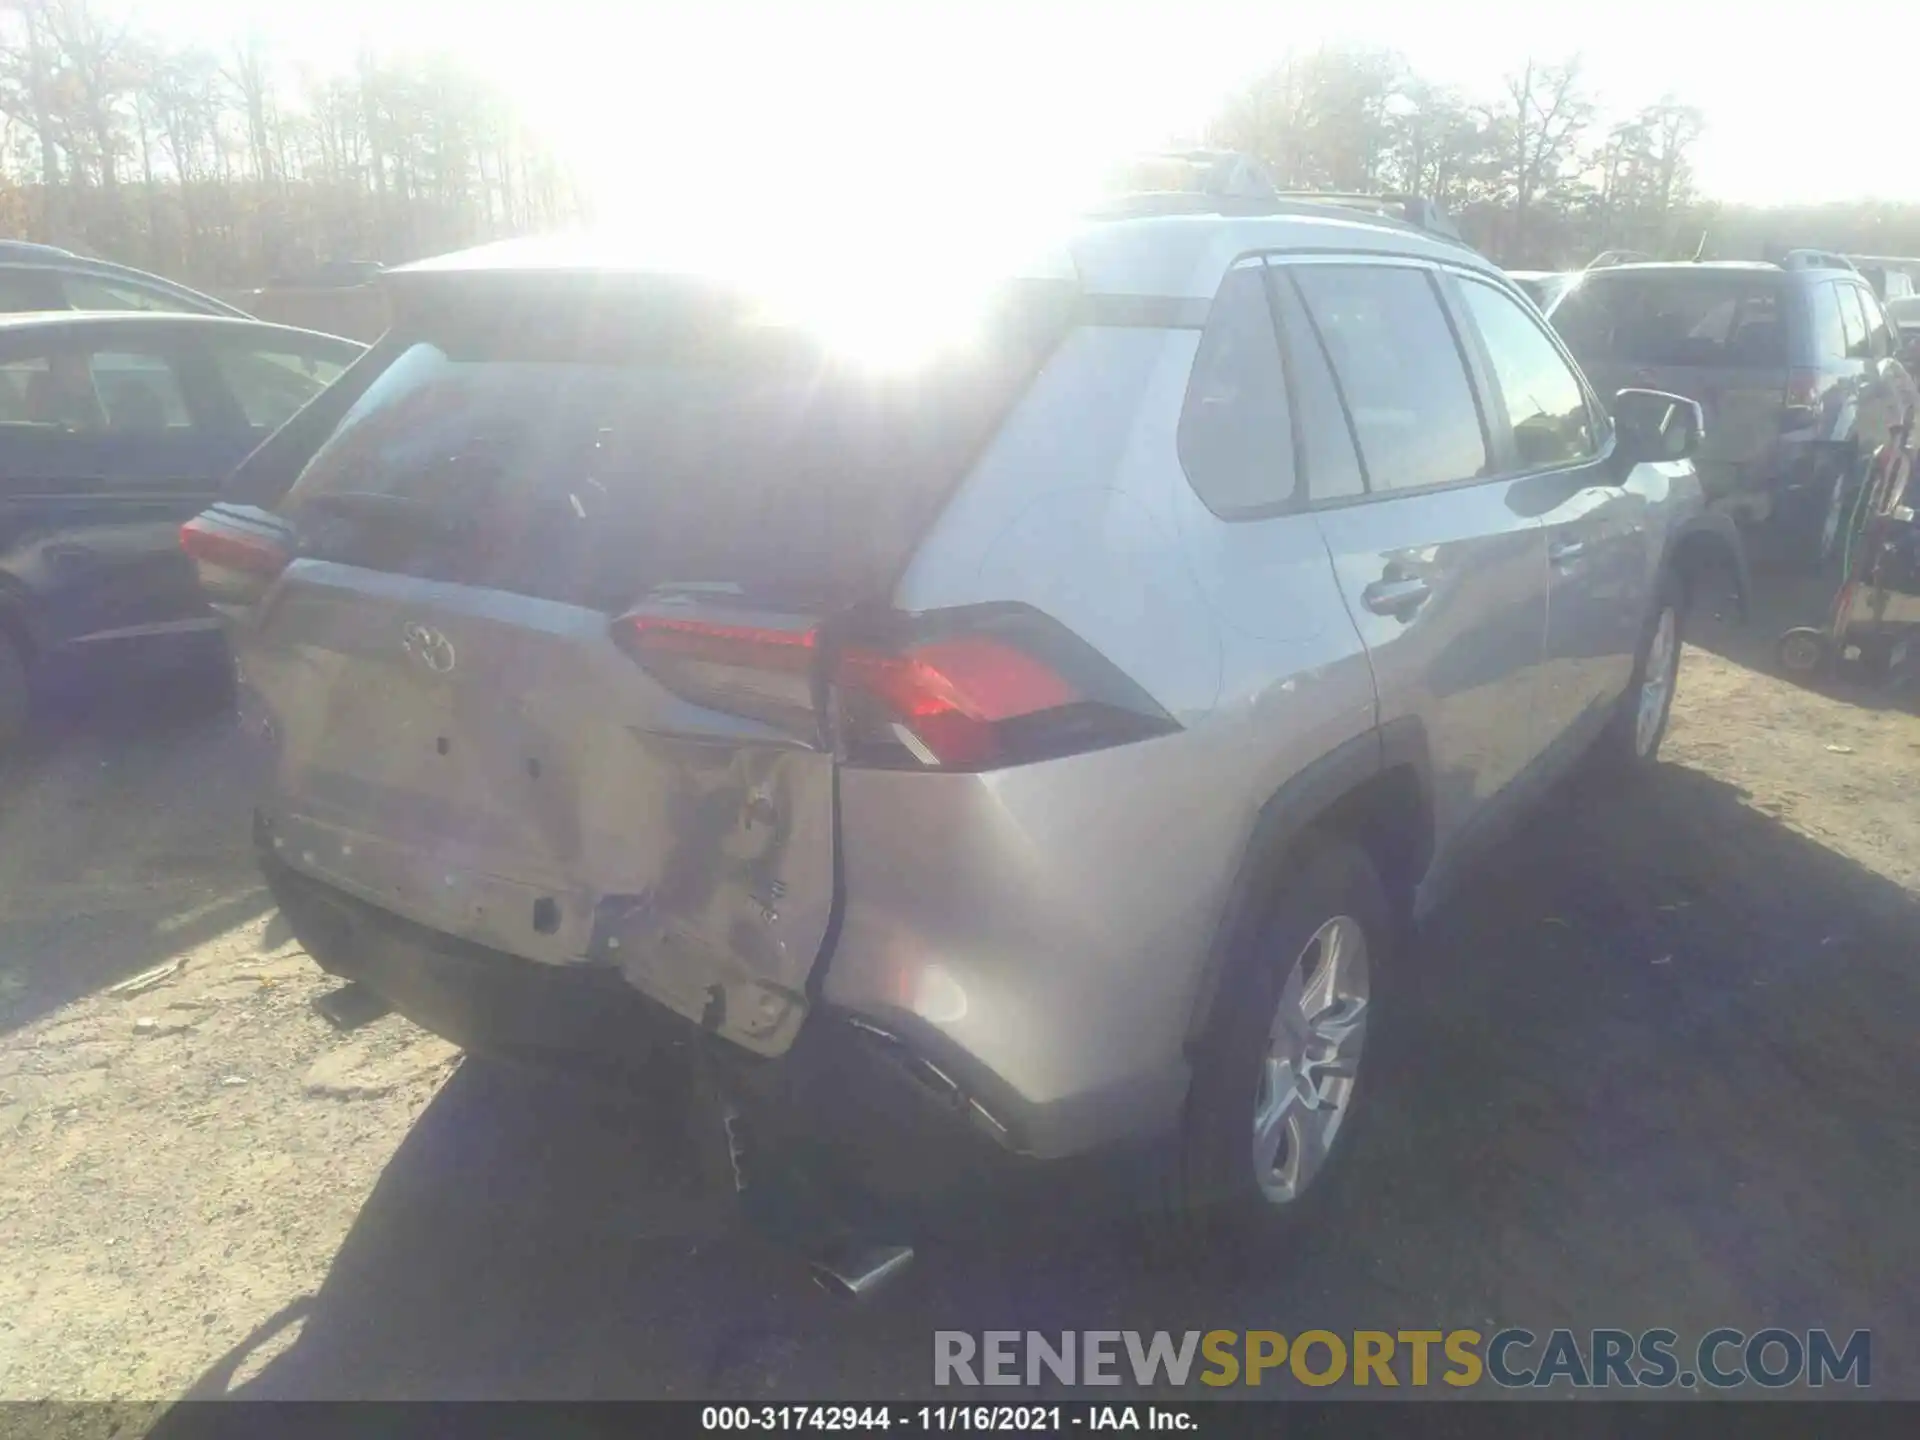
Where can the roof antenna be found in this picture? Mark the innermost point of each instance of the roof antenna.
(1701, 248)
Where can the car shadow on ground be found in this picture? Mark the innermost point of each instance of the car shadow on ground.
(122, 833)
(1656, 1070)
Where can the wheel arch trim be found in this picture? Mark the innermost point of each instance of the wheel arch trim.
(1306, 799)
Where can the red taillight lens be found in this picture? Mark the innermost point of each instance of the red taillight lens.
(248, 554)
(238, 550)
(981, 688)
(761, 671)
(1803, 398)
(957, 690)
(953, 695)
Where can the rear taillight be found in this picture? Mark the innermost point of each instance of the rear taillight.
(981, 688)
(970, 689)
(1802, 399)
(237, 550)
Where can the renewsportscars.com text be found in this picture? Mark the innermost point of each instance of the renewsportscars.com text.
(1513, 1358)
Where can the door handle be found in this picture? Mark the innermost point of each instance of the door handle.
(1398, 598)
(1562, 551)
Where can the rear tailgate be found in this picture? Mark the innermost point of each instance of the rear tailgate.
(1721, 337)
(493, 766)
(461, 736)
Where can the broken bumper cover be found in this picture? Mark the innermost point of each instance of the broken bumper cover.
(845, 1092)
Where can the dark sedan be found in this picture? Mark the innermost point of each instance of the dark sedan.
(114, 429)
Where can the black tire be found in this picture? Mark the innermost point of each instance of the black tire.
(1620, 749)
(1216, 1198)
(15, 694)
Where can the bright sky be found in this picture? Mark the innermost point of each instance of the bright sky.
(727, 98)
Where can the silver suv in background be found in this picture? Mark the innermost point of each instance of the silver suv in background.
(1038, 753)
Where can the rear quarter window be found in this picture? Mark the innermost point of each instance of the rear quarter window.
(1829, 331)
(1235, 437)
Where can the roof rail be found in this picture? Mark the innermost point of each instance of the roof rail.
(1226, 182)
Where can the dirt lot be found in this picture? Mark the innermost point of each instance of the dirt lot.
(1661, 1073)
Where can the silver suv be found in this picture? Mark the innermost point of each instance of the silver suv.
(1049, 746)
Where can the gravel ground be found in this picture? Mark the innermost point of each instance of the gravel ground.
(1662, 1074)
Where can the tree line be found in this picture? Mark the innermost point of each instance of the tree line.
(207, 165)
(1532, 174)
(229, 168)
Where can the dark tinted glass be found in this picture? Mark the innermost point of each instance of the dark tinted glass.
(139, 393)
(269, 380)
(1236, 442)
(1401, 373)
(1326, 440)
(1697, 318)
(87, 292)
(589, 455)
(1545, 403)
(98, 392)
(1879, 333)
(1853, 319)
(23, 289)
(1829, 330)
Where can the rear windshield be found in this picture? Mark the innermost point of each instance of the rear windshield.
(592, 460)
(1697, 319)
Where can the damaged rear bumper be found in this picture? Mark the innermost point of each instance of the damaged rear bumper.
(852, 1098)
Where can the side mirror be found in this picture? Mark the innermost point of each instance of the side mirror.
(1653, 426)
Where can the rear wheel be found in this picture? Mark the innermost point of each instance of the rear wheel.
(13, 691)
(1285, 1065)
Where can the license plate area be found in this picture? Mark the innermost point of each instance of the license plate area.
(545, 923)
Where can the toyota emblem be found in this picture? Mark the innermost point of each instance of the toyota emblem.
(427, 646)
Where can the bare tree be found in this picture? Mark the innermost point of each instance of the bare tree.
(1545, 114)
(225, 170)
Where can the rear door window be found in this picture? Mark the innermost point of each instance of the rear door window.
(94, 392)
(1326, 440)
(1400, 372)
(270, 380)
(139, 392)
(593, 454)
(1235, 437)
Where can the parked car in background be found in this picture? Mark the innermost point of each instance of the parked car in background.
(114, 429)
(1905, 315)
(1543, 287)
(1891, 278)
(1796, 367)
(985, 762)
(329, 275)
(44, 277)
